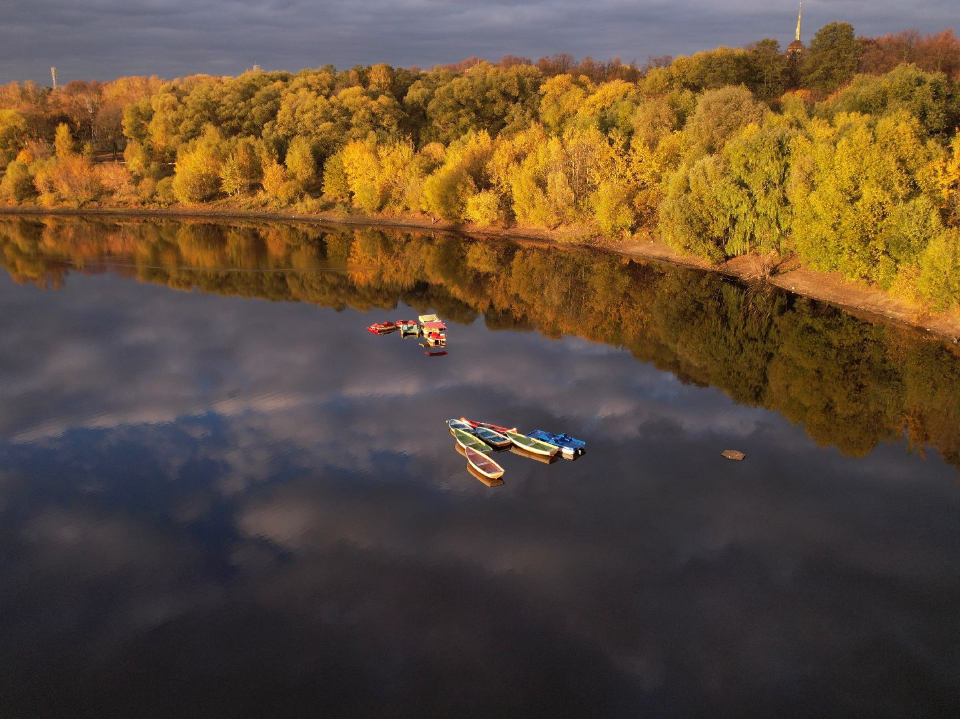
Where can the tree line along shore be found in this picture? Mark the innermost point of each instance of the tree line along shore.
(845, 156)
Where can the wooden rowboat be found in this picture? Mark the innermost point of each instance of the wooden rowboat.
(469, 441)
(483, 464)
(532, 445)
(382, 328)
(455, 424)
(489, 482)
(497, 428)
(490, 437)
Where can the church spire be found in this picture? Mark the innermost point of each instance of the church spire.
(799, 16)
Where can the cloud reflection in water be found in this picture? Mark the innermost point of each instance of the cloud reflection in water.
(227, 505)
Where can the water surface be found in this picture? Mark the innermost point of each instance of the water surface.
(220, 495)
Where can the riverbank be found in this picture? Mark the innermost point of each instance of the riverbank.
(859, 298)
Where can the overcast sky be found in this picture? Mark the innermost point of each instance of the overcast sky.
(104, 39)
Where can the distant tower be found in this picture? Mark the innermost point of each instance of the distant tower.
(796, 48)
(53, 77)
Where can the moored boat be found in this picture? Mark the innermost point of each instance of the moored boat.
(490, 437)
(570, 447)
(483, 464)
(455, 424)
(497, 428)
(408, 328)
(382, 328)
(489, 482)
(435, 332)
(469, 441)
(531, 444)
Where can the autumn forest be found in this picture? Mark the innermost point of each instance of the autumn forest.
(846, 156)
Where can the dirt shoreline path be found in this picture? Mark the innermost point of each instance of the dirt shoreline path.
(857, 298)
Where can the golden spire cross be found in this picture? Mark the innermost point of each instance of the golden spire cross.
(799, 16)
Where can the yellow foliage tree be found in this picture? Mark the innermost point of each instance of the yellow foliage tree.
(75, 179)
(63, 142)
(361, 165)
(300, 161)
(485, 208)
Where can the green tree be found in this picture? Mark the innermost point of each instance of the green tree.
(13, 135)
(832, 58)
(485, 208)
(768, 69)
(446, 192)
(852, 184)
(720, 114)
(17, 183)
(300, 161)
(929, 97)
(759, 164)
(336, 184)
(939, 279)
(242, 169)
(700, 211)
(611, 205)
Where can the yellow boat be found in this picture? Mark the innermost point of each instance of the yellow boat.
(530, 444)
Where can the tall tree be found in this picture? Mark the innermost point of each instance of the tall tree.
(832, 59)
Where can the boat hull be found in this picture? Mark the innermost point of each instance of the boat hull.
(490, 437)
(454, 424)
(489, 482)
(496, 428)
(469, 441)
(538, 447)
(483, 464)
(570, 447)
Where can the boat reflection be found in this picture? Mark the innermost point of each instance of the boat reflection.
(433, 351)
(545, 459)
(489, 482)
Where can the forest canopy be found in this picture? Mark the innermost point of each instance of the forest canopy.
(846, 155)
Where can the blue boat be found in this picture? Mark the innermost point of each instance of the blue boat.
(570, 447)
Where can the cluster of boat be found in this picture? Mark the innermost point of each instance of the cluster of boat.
(478, 439)
(429, 327)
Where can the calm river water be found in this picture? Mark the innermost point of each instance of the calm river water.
(220, 495)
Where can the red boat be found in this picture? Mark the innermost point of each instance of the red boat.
(382, 328)
(498, 428)
(435, 332)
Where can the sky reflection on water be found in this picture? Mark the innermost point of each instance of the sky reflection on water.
(227, 505)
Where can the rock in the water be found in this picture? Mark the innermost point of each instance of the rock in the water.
(733, 455)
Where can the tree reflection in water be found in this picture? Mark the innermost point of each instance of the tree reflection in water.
(851, 383)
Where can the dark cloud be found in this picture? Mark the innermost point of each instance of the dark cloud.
(110, 38)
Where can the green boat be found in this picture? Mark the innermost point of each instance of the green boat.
(469, 441)
(532, 445)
